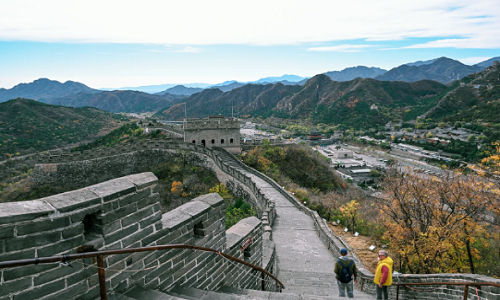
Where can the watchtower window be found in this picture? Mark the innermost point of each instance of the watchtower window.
(213, 141)
(194, 142)
(222, 141)
(231, 141)
(203, 142)
(198, 230)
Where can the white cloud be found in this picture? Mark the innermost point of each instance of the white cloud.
(189, 50)
(470, 24)
(340, 48)
(473, 60)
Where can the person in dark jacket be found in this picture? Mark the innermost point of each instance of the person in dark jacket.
(345, 261)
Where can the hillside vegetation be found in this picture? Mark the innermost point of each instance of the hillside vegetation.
(28, 126)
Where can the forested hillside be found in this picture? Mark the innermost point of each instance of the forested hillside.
(29, 125)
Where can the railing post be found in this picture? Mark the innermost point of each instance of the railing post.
(397, 293)
(102, 277)
(263, 281)
(466, 291)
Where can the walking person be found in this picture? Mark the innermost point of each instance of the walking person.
(383, 274)
(345, 272)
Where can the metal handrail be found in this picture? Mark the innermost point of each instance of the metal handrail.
(465, 284)
(100, 261)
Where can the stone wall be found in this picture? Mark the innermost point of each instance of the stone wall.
(335, 243)
(91, 167)
(122, 213)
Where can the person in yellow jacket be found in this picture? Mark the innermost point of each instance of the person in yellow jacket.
(383, 274)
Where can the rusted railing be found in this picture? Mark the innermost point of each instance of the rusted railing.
(465, 284)
(100, 261)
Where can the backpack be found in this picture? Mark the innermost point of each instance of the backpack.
(345, 275)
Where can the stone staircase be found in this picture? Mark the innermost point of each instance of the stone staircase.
(305, 265)
(225, 293)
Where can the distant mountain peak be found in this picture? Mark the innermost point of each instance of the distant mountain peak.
(351, 73)
(44, 88)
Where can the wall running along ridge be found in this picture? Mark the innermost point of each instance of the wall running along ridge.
(125, 213)
(227, 174)
(430, 292)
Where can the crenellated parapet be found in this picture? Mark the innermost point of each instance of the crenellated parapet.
(211, 122)
(124, 213)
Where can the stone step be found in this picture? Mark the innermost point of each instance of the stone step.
(119, 297)
(140, 293)
(233, 293)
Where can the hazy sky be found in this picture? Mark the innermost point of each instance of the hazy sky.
(131, 43)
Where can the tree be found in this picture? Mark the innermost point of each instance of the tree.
(434, 224)
(471, 138)
(374, 173)
(350, 212)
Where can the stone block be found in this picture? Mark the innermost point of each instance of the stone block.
(175, 218)
(15, 286)
(135, 197)
(63, 246)
(108, 228)
(137, 216)
(136, 236)
(71, 292)
(45, 225)
(142, 180)
(25, 242)
(23, 254)
(91, 294)
(12, 212)
(73, 200)
(195, 208)
(24, 271)
(113, 189)
(6, 231)
(148, 241)
(57, 273)
(72, 231)
(118, 214)
(213, 199)
(111, 238)
(80, 276)
(156, 217)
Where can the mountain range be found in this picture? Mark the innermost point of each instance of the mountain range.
(320, 99)
(443, 70)
(358, 103)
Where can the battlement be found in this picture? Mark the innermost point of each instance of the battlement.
(122, 213)
(212, 122)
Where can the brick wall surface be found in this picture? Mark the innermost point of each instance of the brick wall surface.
(121, 213)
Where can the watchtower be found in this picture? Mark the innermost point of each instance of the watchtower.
(214, 131)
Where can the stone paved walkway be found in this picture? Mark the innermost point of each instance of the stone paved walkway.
(305, 264)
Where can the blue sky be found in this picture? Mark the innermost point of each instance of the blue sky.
(111, 44)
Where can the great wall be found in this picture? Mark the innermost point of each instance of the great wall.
(120, 209)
